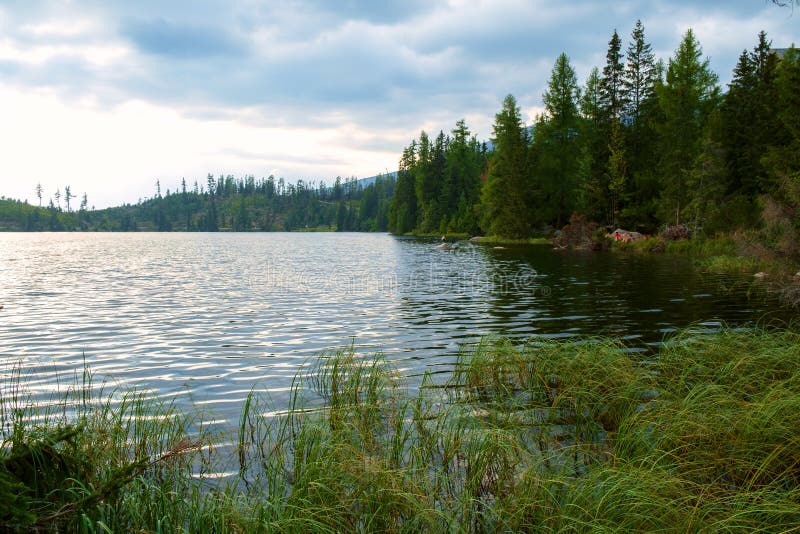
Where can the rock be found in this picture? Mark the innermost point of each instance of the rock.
(625, 236)
(760, 275)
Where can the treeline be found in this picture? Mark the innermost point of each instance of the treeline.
(223, 204)
(640, 145)
(439, 184)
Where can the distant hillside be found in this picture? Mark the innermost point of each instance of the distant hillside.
(225, 204)
(364, 182)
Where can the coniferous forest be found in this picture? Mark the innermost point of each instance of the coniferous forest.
(643, 143)
(221, 204)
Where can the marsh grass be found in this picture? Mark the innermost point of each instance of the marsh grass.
(733, 265)
(497, 240)
(547, 436)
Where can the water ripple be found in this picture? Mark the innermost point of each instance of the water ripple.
(203, 318)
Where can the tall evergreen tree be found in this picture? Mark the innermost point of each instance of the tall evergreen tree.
(612, 95)
(617, 169)
(642, 75)
(558, 141)
(594, 149)
(461, 194)
(505, 212)
(782, 160)
(403, 211)
(686, 100)
(639, 80)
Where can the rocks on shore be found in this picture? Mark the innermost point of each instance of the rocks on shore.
(625, 236)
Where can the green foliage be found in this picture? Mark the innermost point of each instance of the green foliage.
(438, 184)
(702, 435)
(557, 143)
(641, 147)
(782, 160)
(687, 99)
(224, 204)
(507, 185)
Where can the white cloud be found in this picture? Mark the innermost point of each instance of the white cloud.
(95, 55)
(117, 155)
(60, 28)
(110, 96)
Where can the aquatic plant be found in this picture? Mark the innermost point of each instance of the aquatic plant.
(545, 436)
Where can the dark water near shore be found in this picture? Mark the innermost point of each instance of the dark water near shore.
(203, 318)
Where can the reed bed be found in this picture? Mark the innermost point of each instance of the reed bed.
(580, 436)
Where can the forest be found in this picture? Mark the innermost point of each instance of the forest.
(220, 204)
(640, 145)
(643, 144)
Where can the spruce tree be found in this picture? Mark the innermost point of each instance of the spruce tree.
(595, 149)
(558, 140)
(782, 160)
(639, 80)
(612, 95)
(686, 100)
(505, 212)
(461, 189)
(642, 76)
(403, 210)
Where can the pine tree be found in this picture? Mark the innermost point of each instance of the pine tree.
(595, 149)
(558, 141)
(686, 101)
(403, 210)
(462, 176)
(739, 116)
(68, 196)
(505, 212)
(782, 160)
(639, 80)
(642, 139)
(612, 95)
(617, 169)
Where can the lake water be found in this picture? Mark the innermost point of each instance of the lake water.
(205, 318)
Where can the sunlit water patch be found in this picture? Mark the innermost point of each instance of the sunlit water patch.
(205, 318)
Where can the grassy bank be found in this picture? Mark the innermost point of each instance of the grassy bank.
(495, 240)
(703, 436)
(738, 253)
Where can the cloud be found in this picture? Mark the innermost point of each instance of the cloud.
(331, 82)
(181, 41)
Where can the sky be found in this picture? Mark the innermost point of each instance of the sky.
(109, 96)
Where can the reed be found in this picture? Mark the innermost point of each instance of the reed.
(581, 436)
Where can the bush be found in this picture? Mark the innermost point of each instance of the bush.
(676, 232)
(581, 234)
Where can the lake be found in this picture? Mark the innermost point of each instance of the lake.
(205, 318)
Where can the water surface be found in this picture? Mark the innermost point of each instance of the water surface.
(204, 318)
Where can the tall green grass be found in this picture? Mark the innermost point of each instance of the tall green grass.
(548, 436)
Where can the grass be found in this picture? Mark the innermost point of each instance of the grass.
(699, 247)
(448, 235)
(735, 265)
(547, 436)
(495, 240)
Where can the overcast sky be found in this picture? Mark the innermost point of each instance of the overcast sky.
(110, 96)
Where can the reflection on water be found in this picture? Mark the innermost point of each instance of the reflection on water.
(205, 317)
